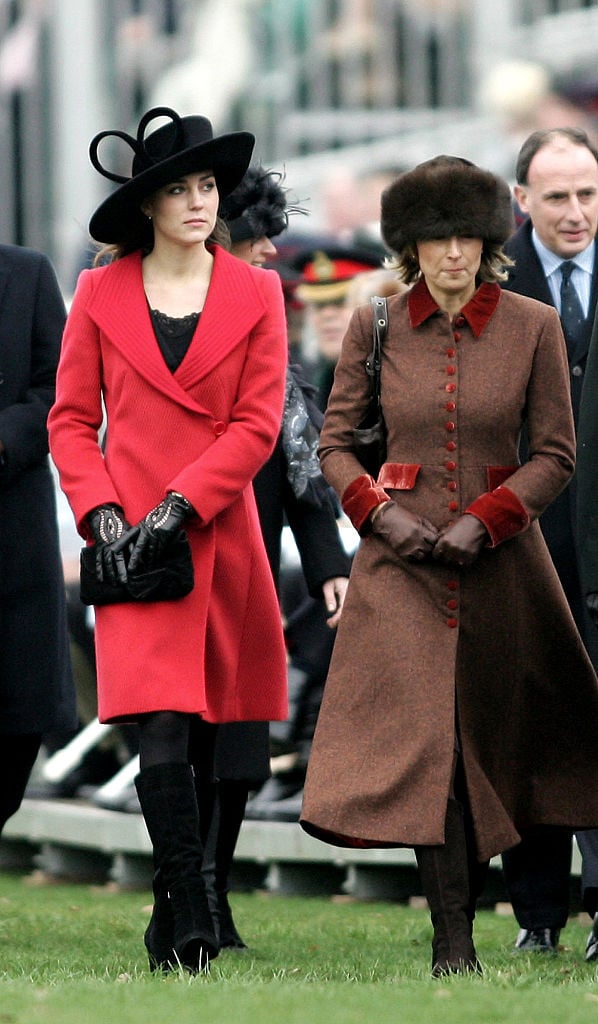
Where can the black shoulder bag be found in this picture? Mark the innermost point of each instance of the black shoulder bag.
(369, 436)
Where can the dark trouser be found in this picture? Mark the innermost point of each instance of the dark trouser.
(17, 757)
(537, 874)
(588, 846)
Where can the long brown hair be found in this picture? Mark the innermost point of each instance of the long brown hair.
(143, 240)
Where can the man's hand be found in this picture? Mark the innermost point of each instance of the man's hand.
(333, 591)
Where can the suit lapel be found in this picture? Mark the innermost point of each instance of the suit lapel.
(580, 351)
(527, 276)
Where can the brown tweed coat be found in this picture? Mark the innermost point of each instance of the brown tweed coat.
(422, 646)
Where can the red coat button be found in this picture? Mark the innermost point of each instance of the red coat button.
(457, 336)
(451, 353)
(450, 426)
(450, 406)
(219, 428)
(459, 321)
(453, 506)
(450, 465)
(450, 446)
(450, 388)
(453, 584)
(451, 370)
(452, 485)
(452, 623)
(452, 603)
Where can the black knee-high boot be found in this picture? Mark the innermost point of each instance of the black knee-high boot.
(219, 855)
(444, 874)
(159, 934)
(169, 805)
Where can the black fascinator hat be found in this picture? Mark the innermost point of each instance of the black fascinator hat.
(182, 146)
(258, 206)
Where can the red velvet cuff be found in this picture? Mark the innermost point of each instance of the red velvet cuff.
(361, 496)
(502, 514)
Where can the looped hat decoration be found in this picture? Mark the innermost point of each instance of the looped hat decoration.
(446, 197)
(182, 146)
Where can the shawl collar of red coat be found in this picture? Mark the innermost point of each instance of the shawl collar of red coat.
(477, 312)
(233, 306)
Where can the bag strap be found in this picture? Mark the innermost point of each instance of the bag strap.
(373, 362)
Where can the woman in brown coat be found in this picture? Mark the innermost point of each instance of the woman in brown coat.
(460, 706)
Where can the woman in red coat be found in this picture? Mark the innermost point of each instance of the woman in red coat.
(184, 349)
(461, 706)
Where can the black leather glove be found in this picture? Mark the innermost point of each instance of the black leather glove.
(461, 543)
(592, 605)
(156, 531)
(108, 527)
(409, 535)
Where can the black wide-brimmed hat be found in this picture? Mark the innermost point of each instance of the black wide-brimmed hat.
(445, 197)
(182, 146)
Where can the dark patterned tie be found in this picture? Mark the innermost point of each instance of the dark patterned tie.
(572, 317)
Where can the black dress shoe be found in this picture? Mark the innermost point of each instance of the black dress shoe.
(276, 790)
(538, 940)
(592, 943)
(126, 801)
(277, 810)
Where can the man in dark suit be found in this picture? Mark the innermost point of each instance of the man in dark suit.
(554, 251)
(36, 689)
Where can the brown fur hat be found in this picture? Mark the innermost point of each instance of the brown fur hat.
(445, 197)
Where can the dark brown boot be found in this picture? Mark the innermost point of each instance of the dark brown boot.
(445, 880)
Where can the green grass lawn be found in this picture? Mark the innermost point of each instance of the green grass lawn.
(74, 955)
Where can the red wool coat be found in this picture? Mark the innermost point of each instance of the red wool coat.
(203, 431)
(423, 645)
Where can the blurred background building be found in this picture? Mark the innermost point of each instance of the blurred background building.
(340, 92)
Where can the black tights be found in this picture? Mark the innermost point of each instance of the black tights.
(167, 737)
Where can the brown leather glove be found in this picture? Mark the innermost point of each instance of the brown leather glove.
(461, 543)
(409, 536)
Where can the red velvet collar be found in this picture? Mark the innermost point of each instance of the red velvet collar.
(477, 312)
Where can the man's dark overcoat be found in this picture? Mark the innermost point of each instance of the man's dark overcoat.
(36, 690)
(587, 473)
(558, 522)
(422, 645)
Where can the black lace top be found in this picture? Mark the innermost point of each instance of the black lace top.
(174, 334)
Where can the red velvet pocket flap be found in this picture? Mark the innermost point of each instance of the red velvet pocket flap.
(398, 476)
(496, 475)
